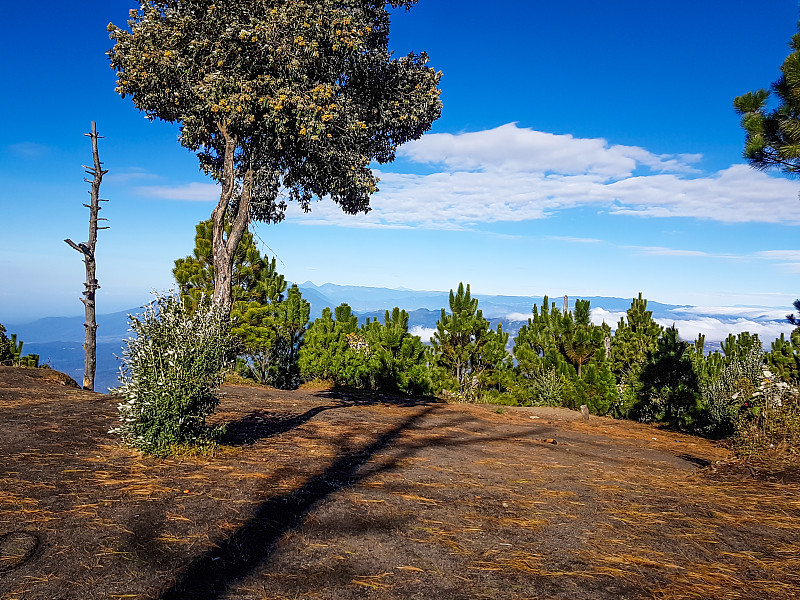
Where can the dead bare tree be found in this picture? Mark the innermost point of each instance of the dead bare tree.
(88, 249)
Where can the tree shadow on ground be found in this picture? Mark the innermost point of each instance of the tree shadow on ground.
(211, 575)
(695, 460)
(355, 397)
(261, 424)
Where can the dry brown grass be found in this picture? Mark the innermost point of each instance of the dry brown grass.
(458, 502)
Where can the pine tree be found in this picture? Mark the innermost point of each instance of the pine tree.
(740, 346)
(581, 339)
(707, 367)
(634, 338)
(322, 341)
(669, 385)
(254, 279)
(460, 339)
(598, 387)
(268, 325)
(784, 357)
(773, 136)
(292, 320)
(6, 348)
(375, 356)
(538, 343)
(399, 359)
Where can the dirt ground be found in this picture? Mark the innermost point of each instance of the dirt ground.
(340, 495)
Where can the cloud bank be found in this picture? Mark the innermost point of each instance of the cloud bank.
(512, 173)
(425, 333)
(715, 323)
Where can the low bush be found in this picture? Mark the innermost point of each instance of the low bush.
(376, 356)
(171, 370)
(726, 394)
(769, 421)
(543, 386)
(6, 348)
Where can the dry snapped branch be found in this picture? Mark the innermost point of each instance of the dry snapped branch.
(87, 249)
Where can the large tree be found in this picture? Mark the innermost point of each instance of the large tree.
(773, 135)
(282, 100)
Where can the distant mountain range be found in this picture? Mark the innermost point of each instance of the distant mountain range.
(58, 340)
(370, 299)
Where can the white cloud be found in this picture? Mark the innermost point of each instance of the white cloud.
(787, 260)
(127, 175)
(661, 251)
(611, 318)
(425, 333)
(717, 330)
(513, 174)
(191, 192)
(716, 322)
(737, 312)
(737, 194)
(574, 240)
(790, 255)
(512, 148)
(518, 316)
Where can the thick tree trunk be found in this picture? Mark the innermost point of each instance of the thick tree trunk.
(224, 248)
(88, 251)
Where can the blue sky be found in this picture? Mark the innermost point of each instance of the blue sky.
(585, 148)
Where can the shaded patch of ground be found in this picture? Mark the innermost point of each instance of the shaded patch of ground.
(323, 494)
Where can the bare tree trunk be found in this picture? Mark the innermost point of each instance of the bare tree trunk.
(88, 250)
(224, 249)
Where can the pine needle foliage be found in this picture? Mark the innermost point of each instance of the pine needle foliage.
(376, 356)
(784, 357)
(772, 136)
(669, 387)
(6, 347)
(254, 277)
(469, 354)
(268, 323)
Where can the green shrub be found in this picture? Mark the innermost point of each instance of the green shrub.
(544, 386)
(627, 392)
(725, 395)
(375, 356)
(769, 420)
(598, 388)
(6, 348)
(669, 388)
(170, 373)
(11, 352)
(784, 358)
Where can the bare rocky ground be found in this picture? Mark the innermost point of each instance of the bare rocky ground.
(330, 494)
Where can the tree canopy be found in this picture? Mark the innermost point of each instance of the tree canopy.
(281, 100)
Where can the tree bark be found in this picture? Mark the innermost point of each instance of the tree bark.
(88, 251)
(224, 248)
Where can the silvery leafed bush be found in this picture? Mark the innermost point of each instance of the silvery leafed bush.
(170, 373)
